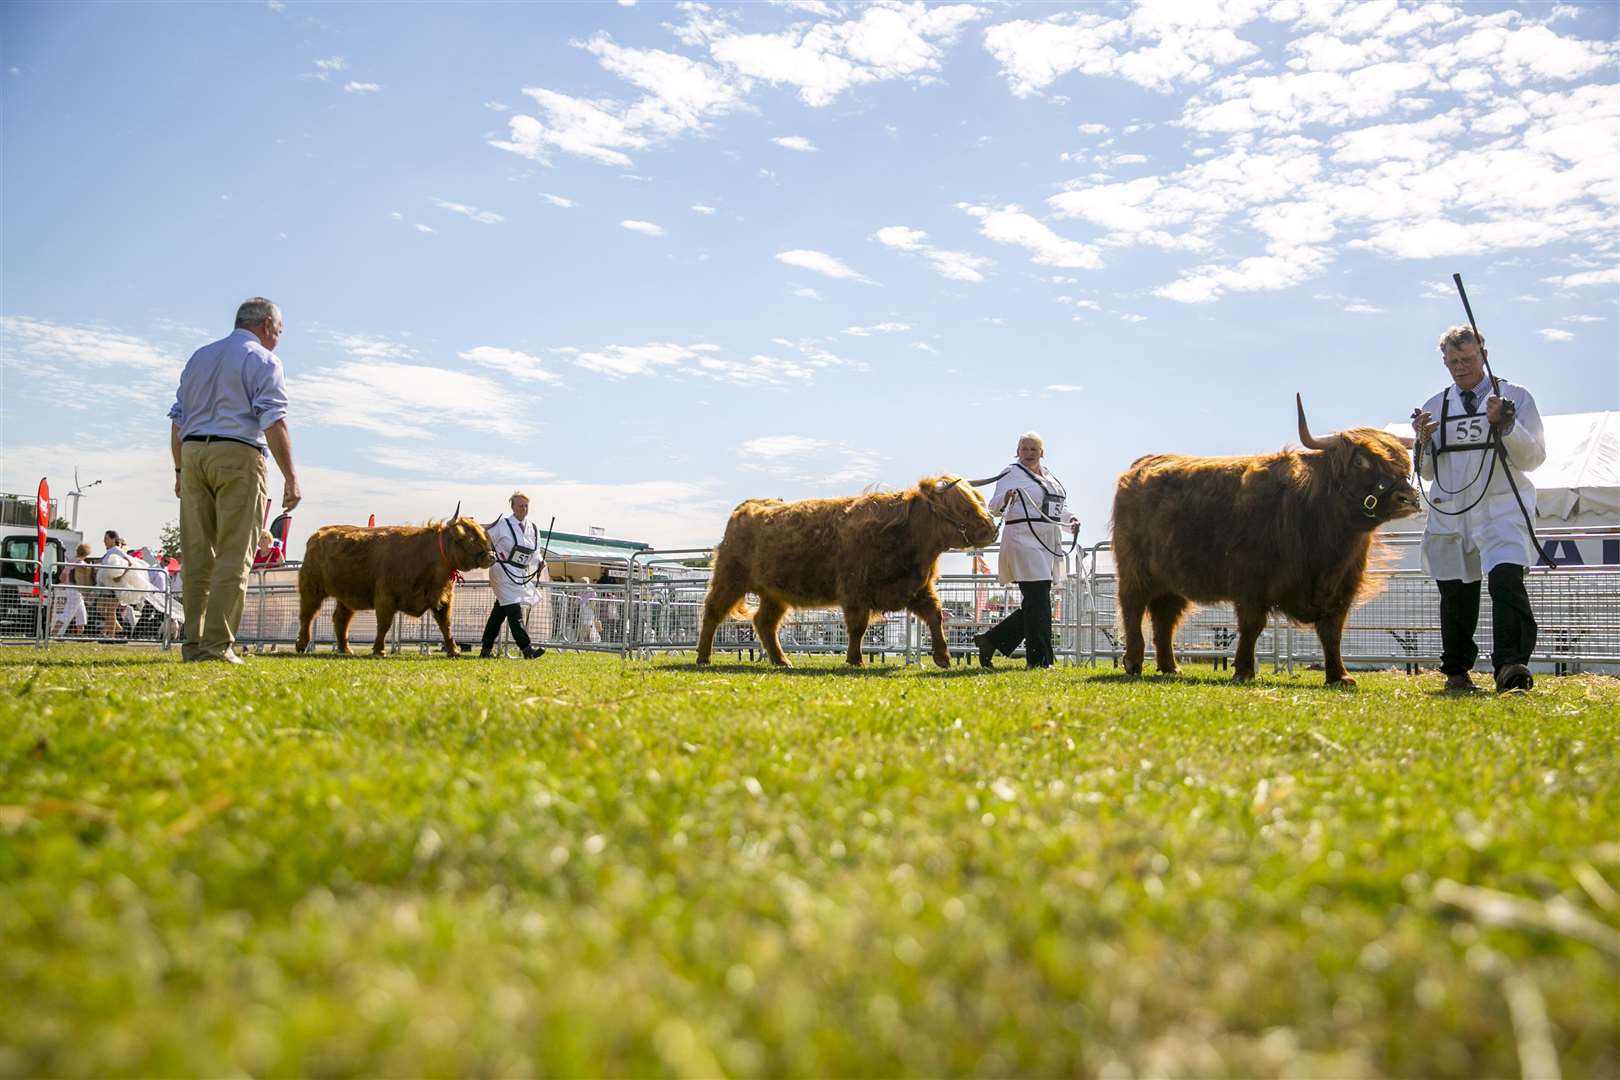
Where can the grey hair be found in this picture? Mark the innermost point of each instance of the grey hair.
(515, 496)
(1034, 437)
(254, 310)
(1458, 336)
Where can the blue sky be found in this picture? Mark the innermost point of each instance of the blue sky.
(647, 260)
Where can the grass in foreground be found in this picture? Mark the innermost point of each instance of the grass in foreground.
(582, 866)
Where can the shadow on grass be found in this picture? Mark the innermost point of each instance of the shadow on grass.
(842, 671)
(1217, 682)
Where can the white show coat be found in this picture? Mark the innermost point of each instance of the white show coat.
(1027, 539)
(1468, 546)
(511, 583)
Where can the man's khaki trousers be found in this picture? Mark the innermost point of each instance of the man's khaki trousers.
(222, 493)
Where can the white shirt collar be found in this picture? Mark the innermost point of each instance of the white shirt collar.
(1481, 391)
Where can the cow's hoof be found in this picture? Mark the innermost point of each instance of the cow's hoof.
(943, 661)
(1344, 682)
(702, 661)
(1170, 671)
(1243, 677)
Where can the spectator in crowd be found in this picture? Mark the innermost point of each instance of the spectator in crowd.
(588, 628)
(1033, 506)
(229, 412)
(110, 568)
(268, 553)
(76, 575)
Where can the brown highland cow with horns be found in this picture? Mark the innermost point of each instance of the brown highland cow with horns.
(405, 568)
(1288, 531)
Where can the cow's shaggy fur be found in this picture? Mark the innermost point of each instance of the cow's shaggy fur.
(397, 568)
(866, 554)
(1283, 531)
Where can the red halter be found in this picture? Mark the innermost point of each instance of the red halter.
(455, 575)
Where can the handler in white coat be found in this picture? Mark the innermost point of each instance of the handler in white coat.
(517, 559)
(1476, 526)
(1033, 506)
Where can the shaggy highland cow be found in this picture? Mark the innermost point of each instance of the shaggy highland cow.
(398, 568)
(1288, 531)
(866, 553)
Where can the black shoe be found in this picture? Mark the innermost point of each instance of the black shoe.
(986, 650)
(485, 654)
(1460, 683)
(1514, 677)
(534, 652)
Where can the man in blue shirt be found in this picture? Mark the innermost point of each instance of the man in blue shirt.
(230, 410)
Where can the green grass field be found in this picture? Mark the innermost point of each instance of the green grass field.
(588, 867)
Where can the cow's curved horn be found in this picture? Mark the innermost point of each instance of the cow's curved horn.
(457, 514)
(1306, 439)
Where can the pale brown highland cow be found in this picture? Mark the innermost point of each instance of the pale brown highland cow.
(865, 553)
(405, 568)
(1288, 531)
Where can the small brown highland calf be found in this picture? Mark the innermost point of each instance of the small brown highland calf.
(864, 553)
(405, 568)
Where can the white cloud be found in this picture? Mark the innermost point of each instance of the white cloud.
(497, 106)
(398, 400)
(1583, 318)
(353, 87)
(645, 227)
(703, 361)
(699, 208)
(878, 328)
(795, 142)
(821, 263)
(1010, 225)
(824, 59)
(1261, 273)
(519, 365)
(1556, 335)
(1065, 388)
(681, 95)
(74, 367)
(1610, 276)
(423, 228)
(558, 200)
(1157, 45)
(276, 6)
(803, 459)
(366, 347)
(775, 446)
(483, 217)
(623, 361)
(806, 292)
(955, 265)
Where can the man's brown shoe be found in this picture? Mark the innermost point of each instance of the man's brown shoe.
(1460, 683)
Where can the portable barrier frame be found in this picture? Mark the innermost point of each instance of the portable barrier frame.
(656, 607)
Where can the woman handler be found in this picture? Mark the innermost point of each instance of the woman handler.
(517, 550)
(1033, 506)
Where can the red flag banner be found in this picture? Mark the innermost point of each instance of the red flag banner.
(44, 520)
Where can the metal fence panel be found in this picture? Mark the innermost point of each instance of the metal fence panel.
(658, 607)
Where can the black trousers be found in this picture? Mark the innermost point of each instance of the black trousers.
(1513, 623)
(513, 614)
(1030, 624)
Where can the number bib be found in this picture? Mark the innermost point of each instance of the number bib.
(521, 552)
(1462, 431)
